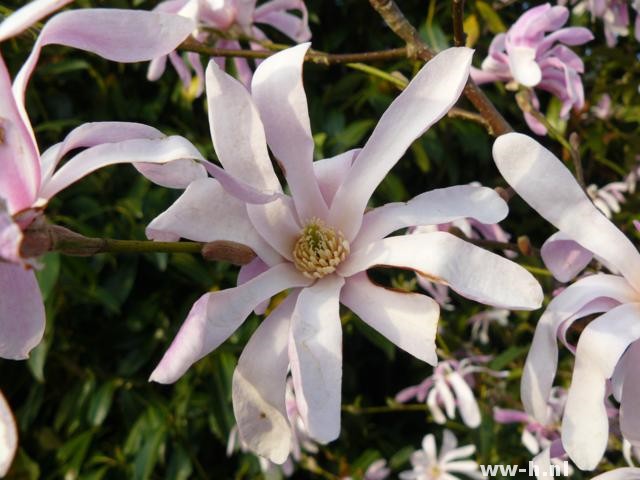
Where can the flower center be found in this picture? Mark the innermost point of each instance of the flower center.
(319, 250)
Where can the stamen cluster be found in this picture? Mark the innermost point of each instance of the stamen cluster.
(319, 250)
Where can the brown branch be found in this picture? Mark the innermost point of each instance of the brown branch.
(416, 47)
(42, 237)
(314, 56)
(459, 37)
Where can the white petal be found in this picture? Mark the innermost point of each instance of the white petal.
(525, 70)
(259, 385)
(279, 95)
(467, 404)
(26, 16)
(469, 270)
(409, 320)
(546, 184)
(438, 206)
(620, 474)
(215, 316)
(431, 93)
(331, 172)
(8, 436)
(564, 257)
(630, 402)
(237, 131)
(315, 352)
(585, 425)
(276, 223)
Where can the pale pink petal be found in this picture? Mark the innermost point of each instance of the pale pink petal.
(431, 93)
(445, 397)
(279, 95)
(409, 320)
(162, 150)
(438, 206)
(22, 315)
(205, 212)
(26, 16)
(469, 270)
(620, 474)
(117, 35)
(276, 223)
(215, 316)
(630, 402)
(157, 66)
(10, 236)
(563, 257)
(250, 271)
(585, 425)
(19, 167)
(315, 352)
(331, 172)
(181, 68)
(237, 131)
(259, 384)
(174, 174)
(525, 69)
(294, 27)
(8, 436)
(467, 404)
(542, 360)
(239, 188)
(546, 184)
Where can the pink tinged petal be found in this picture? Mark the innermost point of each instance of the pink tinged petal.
(181, 69)
(481, 76)
(542, 360)
(10, 237)
(196, 64)
(568, 36)
(205, 212)
(279, 95)
(330, 172)
(276, 223)
(445, 397)
(238, 188)
(469, 270)
(162, 150)
(157, 66)
(438, 206)
(315, 352)
(525, 70)
(26, 16)
(467, 404)
(22, 315)
(502, 415)
(237, 131)
(215, 316)
(630, 402)
(259, 384)
(8, 436)
(117, 35)
(292, 26)
(546, 184)
(19, 163)
(434, 408)
(564, 257)
(620, 474)
(175, 174)
(409, 320)
(585, 425)
(250, 271)
(427, 98)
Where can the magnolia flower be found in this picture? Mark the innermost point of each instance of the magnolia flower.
(428, 465)
(533, 53)
(319, 242)
(234, 18)
(614, 15)
(481, 321)
(607, 348)
(28, 180)
(8, 436)
(449, 386)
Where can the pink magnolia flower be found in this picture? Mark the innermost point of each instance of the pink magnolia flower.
(428, 465)
(614, 15)
(450, 386)
(533, 53)
(481, 321)
(8, 436)
(28, 180)
(234, 17)
(319, 242)
(608, 350)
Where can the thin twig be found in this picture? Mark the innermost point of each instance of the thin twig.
(314, 56)
(459, 37)
(416, 47)
(396, 407)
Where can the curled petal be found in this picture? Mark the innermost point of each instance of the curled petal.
(26, 16)
(467, 404)
(546, 184)
(315, 352)
(585, 425)
(259, 385)
(331, 172)
(22, 316)
(563, 257)
(215, 316)
(469, 270)
(409, 320)
(525, 69)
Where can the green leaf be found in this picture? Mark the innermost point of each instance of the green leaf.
(492, 19)
(147, 457)
(100, 403)
(48, 276)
